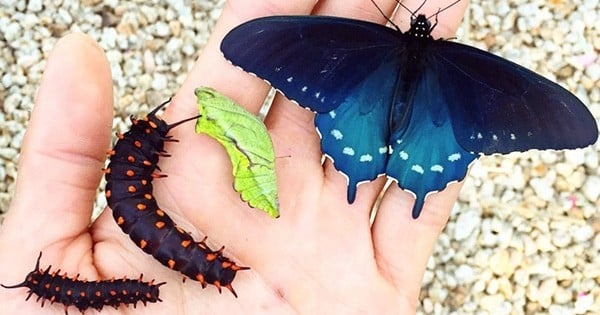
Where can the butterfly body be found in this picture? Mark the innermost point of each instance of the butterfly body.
(403, 104)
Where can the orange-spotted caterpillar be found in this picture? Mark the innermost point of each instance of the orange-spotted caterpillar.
(54, 287)
(129, 175)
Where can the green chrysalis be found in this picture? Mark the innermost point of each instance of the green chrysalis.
(248, 145)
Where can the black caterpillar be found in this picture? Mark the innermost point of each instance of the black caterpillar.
(83, 294)
(129, 175)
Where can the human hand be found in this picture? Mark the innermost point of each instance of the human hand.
(322, 256)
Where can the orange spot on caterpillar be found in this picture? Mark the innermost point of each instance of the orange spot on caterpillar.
(108, 193)
(200, 278)
(143, 244)
(226, 264)
(147, 163)
(137, 143)
(130, 173)
(148, 196)
(106, 170)
(211, 257)
(111, 152)
(131, 189)
(141, 206)
(144, 182)
(160, 213)
(120, 220)
(82, 294)
(152, 124)
(130, 158)
(185, 243)
(159, 224)
(98, 293)
(171, 263)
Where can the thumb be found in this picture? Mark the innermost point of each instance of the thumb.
(63, 150)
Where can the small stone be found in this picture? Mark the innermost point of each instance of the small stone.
(34, 5)
(159, 82)
(162, 29)
(466, 224)
(464, 274)
(584, 303)
(591, 188)
(500, 263)
(560, 238)
(575, 157)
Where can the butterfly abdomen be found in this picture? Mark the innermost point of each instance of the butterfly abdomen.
(54, 287)
(133, 166)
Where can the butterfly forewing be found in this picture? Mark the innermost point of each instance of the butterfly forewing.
(315, 61)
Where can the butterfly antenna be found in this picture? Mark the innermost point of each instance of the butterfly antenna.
(412, 13)
(385, 16)
(442, 10)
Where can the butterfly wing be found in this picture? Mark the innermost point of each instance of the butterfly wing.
(355, 134)
(425, 156)
(316, 61)
(343, 69)
(498, 106)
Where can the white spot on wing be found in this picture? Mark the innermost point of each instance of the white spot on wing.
(479, 135)
(348, 151)
(317, 94)
(366, 158)
(290, 79)
(403, 155)
(304, 88)
(437, 168)
(495, 137)
(417, 168)
(513, 137)
(337, 134)
(332, 114)
(454, 157)
(383, 150)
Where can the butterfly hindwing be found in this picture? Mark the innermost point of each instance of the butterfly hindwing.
(424, 153)
(355, 134)
(501, 107)
(315, 61)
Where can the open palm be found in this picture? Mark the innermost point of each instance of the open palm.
(322, 256)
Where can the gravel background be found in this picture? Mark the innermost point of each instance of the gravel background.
(529, 236)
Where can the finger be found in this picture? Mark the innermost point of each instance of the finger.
(64, 148)
(205, 159)
(402, 244)
(211, 69)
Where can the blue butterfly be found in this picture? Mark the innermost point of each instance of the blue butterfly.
(405, 105)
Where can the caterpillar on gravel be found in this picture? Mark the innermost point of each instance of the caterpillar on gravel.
(82, 294)
(129, 175)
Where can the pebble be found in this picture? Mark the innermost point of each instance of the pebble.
(523, 238)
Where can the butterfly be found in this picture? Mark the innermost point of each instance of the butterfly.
(403, 104)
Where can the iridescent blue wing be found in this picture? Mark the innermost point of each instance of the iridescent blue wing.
(498, 106)
(355, 134)
(345, 70)
(425, 155)
(316, 61)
